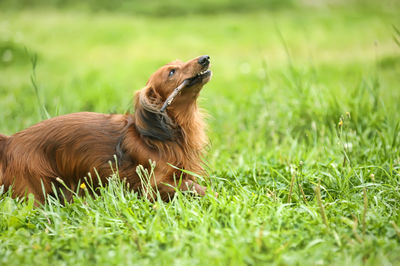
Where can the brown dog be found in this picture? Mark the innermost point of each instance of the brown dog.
(166, 127)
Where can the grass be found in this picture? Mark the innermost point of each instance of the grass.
(303, 123)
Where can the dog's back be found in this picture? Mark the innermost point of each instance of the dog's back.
(3, 139)
(67, 147)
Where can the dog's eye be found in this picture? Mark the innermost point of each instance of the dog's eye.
(171, 73)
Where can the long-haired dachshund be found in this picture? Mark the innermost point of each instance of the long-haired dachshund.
(166, 127)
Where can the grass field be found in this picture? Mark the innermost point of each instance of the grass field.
(304, 127)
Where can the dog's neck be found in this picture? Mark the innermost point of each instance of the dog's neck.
(177, 134)
(153, 124)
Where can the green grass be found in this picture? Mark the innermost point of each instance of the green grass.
(283, 80)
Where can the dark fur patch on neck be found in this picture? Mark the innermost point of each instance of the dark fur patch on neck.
(153, 123)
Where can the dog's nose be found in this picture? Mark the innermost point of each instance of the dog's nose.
(204, 60)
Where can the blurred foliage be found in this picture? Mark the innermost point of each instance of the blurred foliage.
(179, 7)
(154, 7)
(12, 53)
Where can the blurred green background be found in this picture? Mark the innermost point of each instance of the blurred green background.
(285, 74)
(155, 7)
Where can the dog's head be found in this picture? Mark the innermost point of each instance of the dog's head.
(195, 73)
(190, 76)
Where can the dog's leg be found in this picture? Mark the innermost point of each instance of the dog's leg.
(167, 189)
(189, 185)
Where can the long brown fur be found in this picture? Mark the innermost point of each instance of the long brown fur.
(69, 147)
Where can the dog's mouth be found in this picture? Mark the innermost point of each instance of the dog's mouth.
(201, 77)
(194, 84)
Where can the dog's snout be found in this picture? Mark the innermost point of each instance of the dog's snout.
(204, 60)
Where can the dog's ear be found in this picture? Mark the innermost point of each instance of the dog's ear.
(149, 120)
(153, 96)
(149, 95)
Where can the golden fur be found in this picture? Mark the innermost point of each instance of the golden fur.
(69, 147)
